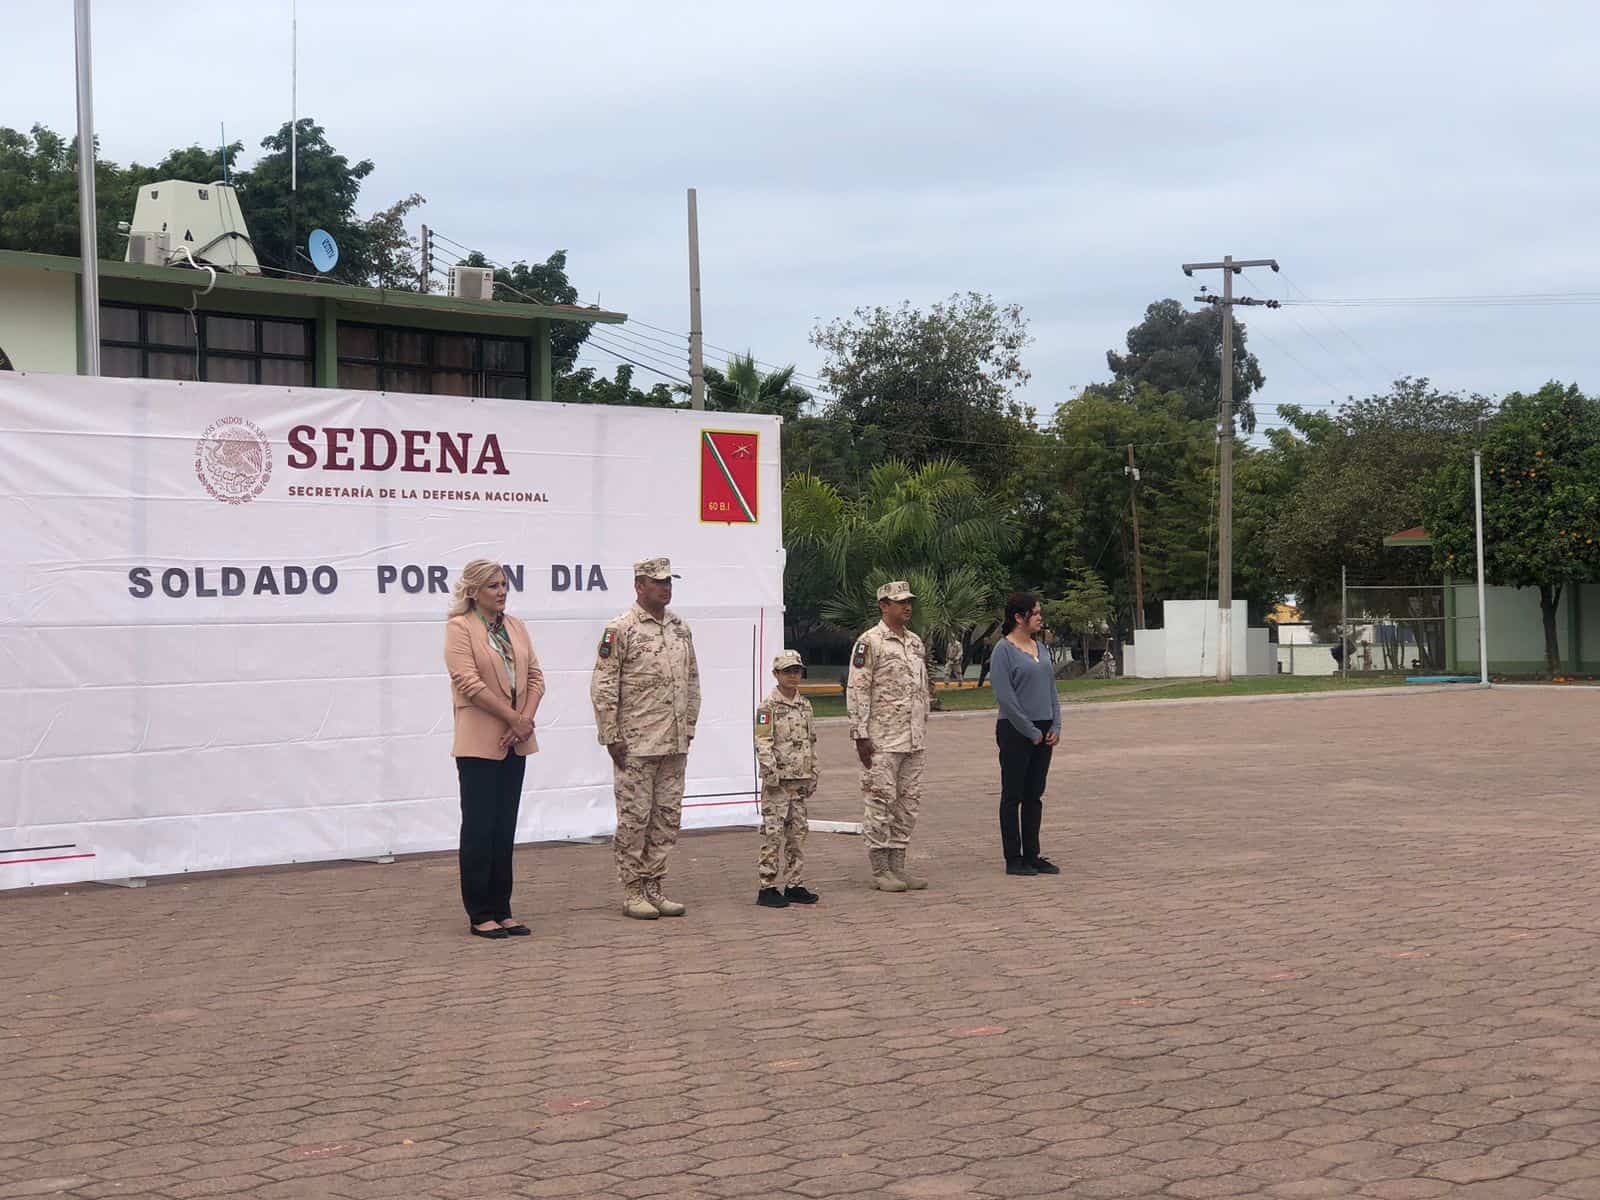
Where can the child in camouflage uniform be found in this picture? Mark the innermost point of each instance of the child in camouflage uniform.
(786, 749)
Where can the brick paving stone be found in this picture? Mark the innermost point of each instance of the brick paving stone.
(1301, 949)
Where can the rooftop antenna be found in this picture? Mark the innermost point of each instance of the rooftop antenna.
(223, 129)
(294, 95)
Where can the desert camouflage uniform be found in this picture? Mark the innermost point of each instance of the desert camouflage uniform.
(888, 702)
(786, 749)
(646, 693)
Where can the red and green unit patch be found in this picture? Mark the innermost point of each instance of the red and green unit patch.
(729, 477)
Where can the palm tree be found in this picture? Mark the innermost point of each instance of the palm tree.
(743, 388)
(920, 524)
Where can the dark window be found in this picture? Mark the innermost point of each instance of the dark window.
(390, 359)
(230, 333)
(163, 343)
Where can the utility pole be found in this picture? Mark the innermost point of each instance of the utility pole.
(427, 259)
(1229, 268)
(88, 213)
(697, 361)
(1132, 471)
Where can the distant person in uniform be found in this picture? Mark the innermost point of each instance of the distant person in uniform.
(495, 686)
(955, 661)
(786, 748)
(888, 705)
(646, 695)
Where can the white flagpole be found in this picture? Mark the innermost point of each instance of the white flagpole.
(88, 234)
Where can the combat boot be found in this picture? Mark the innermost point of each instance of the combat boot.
(883, 878)
(635, 905)
(897, 864)
(667, 908)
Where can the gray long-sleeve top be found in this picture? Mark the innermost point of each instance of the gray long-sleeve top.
(1025, 688)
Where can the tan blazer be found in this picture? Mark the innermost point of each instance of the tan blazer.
(474, 664)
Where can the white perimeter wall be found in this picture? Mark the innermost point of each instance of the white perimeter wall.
(1187, 644)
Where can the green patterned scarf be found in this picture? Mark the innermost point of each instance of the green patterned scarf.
(500, 639)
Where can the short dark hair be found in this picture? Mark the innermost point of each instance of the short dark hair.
(1018, 606)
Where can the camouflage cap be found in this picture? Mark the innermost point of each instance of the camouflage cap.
(654, 568)
(899, 589)
(789, 658)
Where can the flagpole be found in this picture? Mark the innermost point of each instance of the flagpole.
(88, 233)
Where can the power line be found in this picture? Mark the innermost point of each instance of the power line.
(1488, 299)
(643, 366)
(1389, 374)
(1338, 361)
(646, 359)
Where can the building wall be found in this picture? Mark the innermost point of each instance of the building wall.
(1187, 645)
(1589, 629)
(1516, 629)
(39, 320)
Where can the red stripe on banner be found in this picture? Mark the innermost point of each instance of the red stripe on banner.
(718, 803)
(17, 862)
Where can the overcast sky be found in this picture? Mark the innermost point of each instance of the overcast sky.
(1064, 156)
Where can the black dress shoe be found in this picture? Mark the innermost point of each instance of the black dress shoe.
(496, 932)
(517, 930)
(1044, 866)
(771, 898)
(1020, 868)
(799, 893)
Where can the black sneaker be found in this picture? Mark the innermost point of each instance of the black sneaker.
(799, 893)
(771, 898)
(1020, 868)
(1044, 866)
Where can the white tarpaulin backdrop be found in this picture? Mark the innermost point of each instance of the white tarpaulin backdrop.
(222, 613)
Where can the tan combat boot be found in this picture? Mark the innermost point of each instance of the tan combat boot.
(635, 905)
(667, 908)
(897, 864)
(884, 879)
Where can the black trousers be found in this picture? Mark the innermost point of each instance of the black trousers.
(491, 794)
(1023, 769)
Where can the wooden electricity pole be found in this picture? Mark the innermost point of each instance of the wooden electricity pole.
(1229, 268)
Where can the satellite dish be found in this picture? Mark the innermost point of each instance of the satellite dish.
(324, 250)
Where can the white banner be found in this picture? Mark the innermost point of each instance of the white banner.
(222, 611)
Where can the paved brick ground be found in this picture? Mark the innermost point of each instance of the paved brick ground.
(1304, 949)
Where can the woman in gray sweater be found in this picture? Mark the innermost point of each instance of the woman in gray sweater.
(1028, 729)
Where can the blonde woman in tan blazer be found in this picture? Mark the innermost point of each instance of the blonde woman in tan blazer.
(496, 685)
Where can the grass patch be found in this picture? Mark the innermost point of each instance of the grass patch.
(1085, 691)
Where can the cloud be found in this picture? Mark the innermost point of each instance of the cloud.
(1067, 157)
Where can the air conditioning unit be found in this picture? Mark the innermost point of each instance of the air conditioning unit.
(151, 249)
(472, 283)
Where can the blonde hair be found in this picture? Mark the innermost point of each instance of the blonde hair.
(473, 576)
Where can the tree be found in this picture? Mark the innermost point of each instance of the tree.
(1363, 474)
(1541, 501)
(744, 388)
(39, 195)
(1077, 504)
(1176, 350)
(941, 383)
(587, 386)
(328, 186)
(391, 246)
(543, 283)
(931, 524)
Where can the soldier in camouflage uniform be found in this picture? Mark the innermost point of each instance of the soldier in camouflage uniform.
(646, 695)
(786, 749)
(888, 703)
